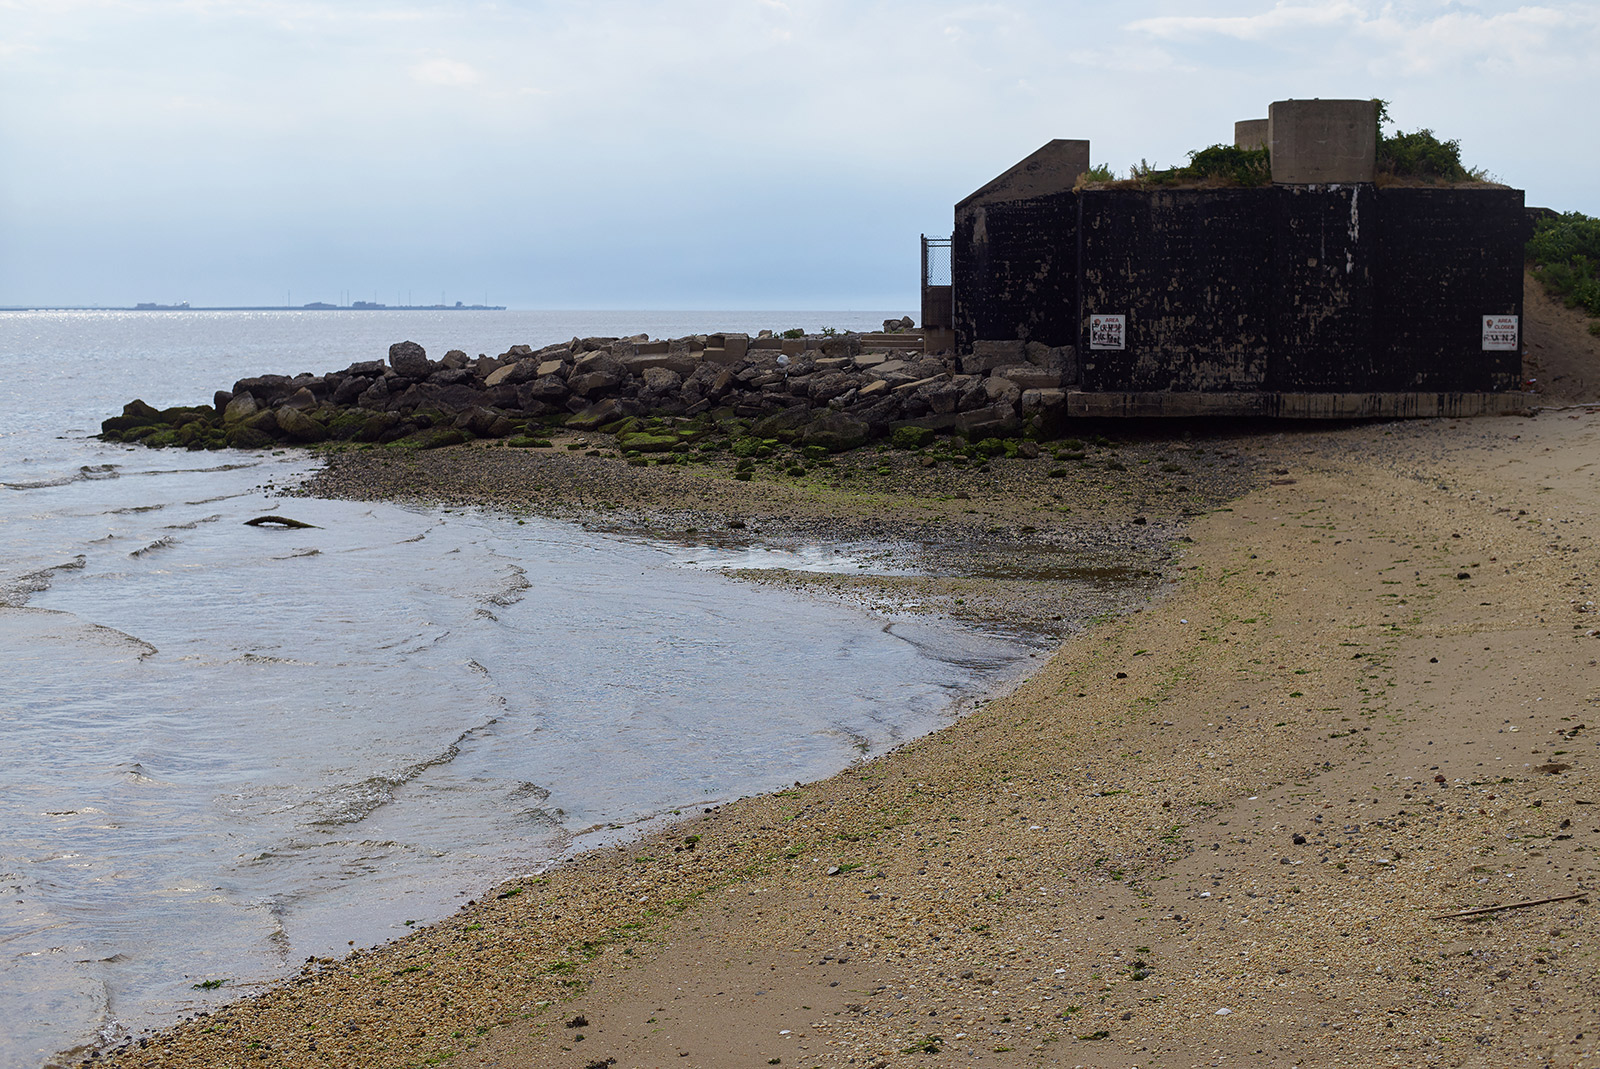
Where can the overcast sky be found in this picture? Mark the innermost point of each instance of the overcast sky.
(687, 154)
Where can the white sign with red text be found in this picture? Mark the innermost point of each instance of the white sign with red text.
(1108, 332)
(1500, 334)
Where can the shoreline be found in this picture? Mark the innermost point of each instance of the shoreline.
(1169, 767)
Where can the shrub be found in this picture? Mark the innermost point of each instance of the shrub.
(1565, 254)
(1419, 154)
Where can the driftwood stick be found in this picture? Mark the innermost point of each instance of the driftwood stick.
(276, 521)
(1509, 905)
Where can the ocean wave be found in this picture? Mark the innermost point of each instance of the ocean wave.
(86, 473)
(15, 593)
(516, 586)
(192, 524)
(354, 802)
(164, 542)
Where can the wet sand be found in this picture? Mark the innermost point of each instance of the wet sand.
(1225, 829)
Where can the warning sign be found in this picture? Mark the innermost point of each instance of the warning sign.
(1500, 333)
(1110, 332)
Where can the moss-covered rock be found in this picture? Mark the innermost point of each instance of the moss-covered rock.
(299, 427)
(911, 437)
(836, 432)
(241, 436)
(646, 442)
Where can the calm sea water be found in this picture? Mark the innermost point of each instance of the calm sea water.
(227, 748)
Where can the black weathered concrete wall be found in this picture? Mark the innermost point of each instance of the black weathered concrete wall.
(1323, 288)
(1014, 268)
(1446, 259)
(1191, 271)
(1347, 288)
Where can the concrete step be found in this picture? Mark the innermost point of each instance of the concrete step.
(907, 340)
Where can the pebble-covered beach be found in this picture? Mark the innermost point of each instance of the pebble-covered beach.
(1221, 829)
(1323, 793)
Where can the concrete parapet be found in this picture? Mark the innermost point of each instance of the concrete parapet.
(735, 345)
(1250, 133)
(1323, 142)
(1053, 168)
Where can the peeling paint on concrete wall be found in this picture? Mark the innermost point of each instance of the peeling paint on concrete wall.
(1280, 289)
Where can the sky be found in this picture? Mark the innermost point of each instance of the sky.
(696, 154)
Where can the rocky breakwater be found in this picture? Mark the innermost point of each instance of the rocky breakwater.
(818, 390)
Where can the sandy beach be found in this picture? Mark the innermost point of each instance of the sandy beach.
(1237, 824)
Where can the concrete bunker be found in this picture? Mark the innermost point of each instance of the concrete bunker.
(1324, 293)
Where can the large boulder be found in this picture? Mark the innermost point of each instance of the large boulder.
(410, 360)
(785, 425)
(351, 389)
(299, 427)
(591, 383)
(548, 388)
(268, 390)
(375, 396)
(592, 416)
(836, 431)
(427, 395)
(242, 407)
(1002, 392)
(826, 385)
(302, 399)
(661, 380)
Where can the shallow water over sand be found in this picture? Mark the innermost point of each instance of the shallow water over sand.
(231, 747)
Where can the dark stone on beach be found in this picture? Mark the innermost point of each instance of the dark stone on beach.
(300, 427)
(591, 383)
(243, 436)
(452, 377)
(785, 426)
(351, 388)
(375, 426)
(438, 437)
(265, 421)
(827, 385)
(268, 390)
(302, 399)
(549, 388)
(242, 407)
(592, 416)
(836, 432)
(220, 399)
(485, 423)
(451, 399)
(410, 359)
(375, 396)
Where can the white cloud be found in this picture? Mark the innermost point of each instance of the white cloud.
(1282, 18)
(448, 72)
(1391, 39)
